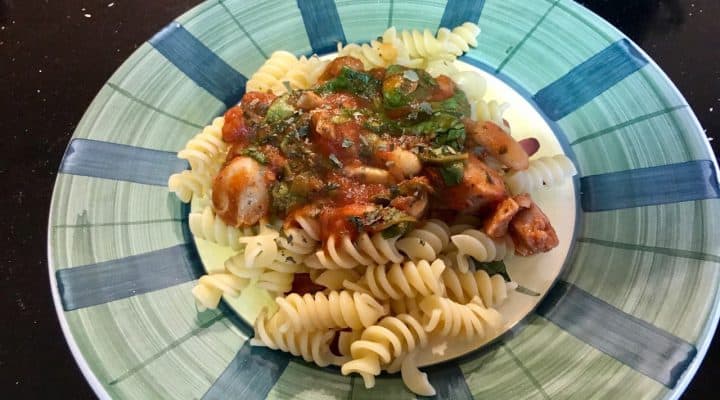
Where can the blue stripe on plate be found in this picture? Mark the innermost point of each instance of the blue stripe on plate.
(449, 382)
(251, 374)
(200, 64)
(107, 281)
(460, 11)
(120, 162)
(322, 24)
(589, 79)
(692, 180)
(632, 341)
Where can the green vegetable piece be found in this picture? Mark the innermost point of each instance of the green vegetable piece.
(279, 110)
(453, 173)
(495, 267)
(352, 81)
(254, 153)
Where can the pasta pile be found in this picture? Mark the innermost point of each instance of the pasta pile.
(383, 299)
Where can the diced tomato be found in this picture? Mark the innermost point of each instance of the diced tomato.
(444, 90)
(303, 284)
(235, 130)
(333, 69)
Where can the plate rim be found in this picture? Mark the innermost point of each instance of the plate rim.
(702, 344)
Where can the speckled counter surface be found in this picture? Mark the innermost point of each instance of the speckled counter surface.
(55, 56)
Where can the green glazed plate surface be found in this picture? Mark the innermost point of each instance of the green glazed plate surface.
(629, 301)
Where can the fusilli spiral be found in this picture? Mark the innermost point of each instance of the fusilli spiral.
(425, 242)
(461, 37)
(445, 317)
(381, 344)
(312, 346)
(481, 110)
(186, 184)
(463, 287)
(478, 245)
(206, 225)
(210, 288)
(542, 172)
(205, 152)
(305, 72)
(269, 76)
(346, 254)
(334, 310)
(409, 279)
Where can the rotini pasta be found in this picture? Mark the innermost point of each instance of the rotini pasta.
(426, 242)
(479, 246)
(206, 225)
(366, 251)
(269, 76)
(380, 344)
(210, 288)
(261, 249)
(186, 184)
(205, 151)
(461, 37)
(463, 287)
(492, 111)
(542, 172)
(312, 346)
(333, 278)
(334, 310)
(305, 72)
(276, 277)
(409, 279)
(445, 317)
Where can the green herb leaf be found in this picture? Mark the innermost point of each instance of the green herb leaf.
(279, 110)
(493, 268)
(453, 173)
(254, 153)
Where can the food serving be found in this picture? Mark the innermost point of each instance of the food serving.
(373, 194)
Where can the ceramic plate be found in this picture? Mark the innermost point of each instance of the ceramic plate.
(630, 316)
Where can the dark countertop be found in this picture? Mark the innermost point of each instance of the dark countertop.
(56, 55)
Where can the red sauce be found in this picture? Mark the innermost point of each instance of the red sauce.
(235, 130)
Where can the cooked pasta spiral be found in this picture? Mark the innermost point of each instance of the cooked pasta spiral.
(369, 54)
(426, 242)
(210, 288)
(461, 38)
(206, 225)
(187, 184)
(269, 76)
(445, 317)
(312, 346)
(425, 45)
(261, 249)
(463, 287)
(542, 172)
(409, 279)
(305, 72)
(392, 338)
(334, 310)
(333, 278)
(276, 277)
(479, 246)
(205, 151)
(481, 110)
(366, 251)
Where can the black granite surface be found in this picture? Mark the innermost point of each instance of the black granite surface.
(56, 54)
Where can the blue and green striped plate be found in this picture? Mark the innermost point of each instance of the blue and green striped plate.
(631, 315)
